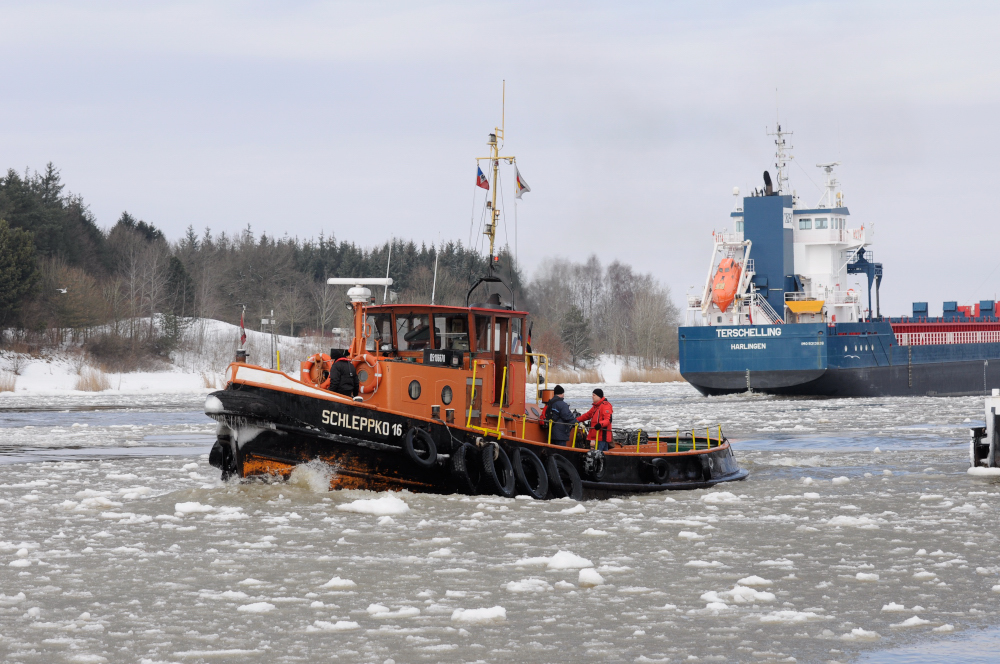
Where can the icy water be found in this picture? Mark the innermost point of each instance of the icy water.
(119, 544)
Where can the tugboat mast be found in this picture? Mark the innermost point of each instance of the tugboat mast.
(491, 228)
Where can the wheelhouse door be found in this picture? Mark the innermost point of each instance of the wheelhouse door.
(501, 345)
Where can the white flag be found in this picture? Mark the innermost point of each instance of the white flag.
(522, 186)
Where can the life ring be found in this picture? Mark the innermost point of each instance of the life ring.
(371, 383)
(564, 480)
(498, 473)
(528, 465)
(318, 367)
(465, 469)
(424, 459)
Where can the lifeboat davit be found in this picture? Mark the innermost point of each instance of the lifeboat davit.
(725, 283)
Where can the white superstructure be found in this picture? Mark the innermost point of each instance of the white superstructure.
(814, 286)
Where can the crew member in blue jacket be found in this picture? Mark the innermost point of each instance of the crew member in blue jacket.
(562, 418)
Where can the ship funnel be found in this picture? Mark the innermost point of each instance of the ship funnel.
(768, 189)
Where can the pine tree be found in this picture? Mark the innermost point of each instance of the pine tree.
(575, 334)
(18, 268)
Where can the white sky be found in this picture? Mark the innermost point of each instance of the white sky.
(631, 122)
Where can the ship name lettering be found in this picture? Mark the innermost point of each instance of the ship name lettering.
(355, 422)
(756, 346)
(729, 332)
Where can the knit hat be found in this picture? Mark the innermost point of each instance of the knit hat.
(599, 392)
(558, 390)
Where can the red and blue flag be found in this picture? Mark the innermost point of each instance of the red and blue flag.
(481, 180)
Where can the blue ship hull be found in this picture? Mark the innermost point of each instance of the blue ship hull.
(840, 360)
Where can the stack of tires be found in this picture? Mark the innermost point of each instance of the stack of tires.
(490, 470)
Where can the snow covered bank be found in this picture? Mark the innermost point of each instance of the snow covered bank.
(206, 348)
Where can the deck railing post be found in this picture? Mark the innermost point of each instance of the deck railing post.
(708, 438)
(550, 432)
(472, 397)
(503, 395)
(657, 441)
(677, 442)
(638, 439)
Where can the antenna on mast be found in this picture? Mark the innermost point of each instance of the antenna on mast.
(780, 158)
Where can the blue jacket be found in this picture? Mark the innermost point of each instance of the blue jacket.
(562, 418)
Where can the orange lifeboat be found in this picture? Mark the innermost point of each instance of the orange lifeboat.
(725, 282)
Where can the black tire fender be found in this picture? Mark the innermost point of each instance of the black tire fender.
(466, 472)
(564, 480)
(410, 443)
(659, 470)
(498, 472)
(594, 465)
(525, 458)
(706, 467)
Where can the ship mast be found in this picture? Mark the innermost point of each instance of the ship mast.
(495, 141)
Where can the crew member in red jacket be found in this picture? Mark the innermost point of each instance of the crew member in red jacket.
(599, 415)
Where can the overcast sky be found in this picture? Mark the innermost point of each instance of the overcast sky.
(632, 122)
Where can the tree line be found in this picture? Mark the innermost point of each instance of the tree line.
(127, 292)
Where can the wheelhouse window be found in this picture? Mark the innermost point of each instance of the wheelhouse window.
(484, 333)
(805, 224)
(413, 332)
(452, 331)
(500, 333)
(378, 327)
(516, 340)
(738, 226)
(821, 222)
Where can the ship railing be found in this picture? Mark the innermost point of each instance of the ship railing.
(829, 297)
(728, 238)
(540, 359)
(761, 308)
(938, 338)
(670, 439)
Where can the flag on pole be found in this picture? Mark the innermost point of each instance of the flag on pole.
(243, 331)
(522, 186)
(481, 180)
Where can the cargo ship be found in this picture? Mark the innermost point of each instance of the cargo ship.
(777, 313)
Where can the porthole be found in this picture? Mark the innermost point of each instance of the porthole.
(363, 376)
(446, 394)
(414, 389)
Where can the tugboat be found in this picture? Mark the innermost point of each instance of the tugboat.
(443, 406)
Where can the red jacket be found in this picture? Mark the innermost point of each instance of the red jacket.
(600, 413)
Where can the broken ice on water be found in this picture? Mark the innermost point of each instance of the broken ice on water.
(829, 549)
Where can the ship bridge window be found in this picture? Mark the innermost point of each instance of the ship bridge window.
(838, 223)
(516, 341)
(738, 226)
(413, 332)
(483, 332)
(379, 330)
(821, 222)
(453, 331)
(805, 224)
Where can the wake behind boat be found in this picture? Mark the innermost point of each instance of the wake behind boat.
(443, 407)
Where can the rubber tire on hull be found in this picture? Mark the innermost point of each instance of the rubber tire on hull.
(659, 470)
(539, 488)
(465, 469)
(427, 461)
(561, 472)
(498, 473)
